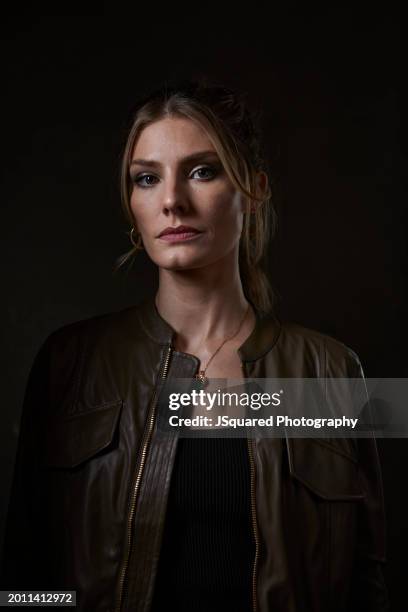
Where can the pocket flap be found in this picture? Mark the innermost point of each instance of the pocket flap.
(72, 440)
(327, 471)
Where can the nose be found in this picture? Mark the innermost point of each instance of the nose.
(174, 199)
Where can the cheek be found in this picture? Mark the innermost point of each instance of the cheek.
(226, 215)
(140, 215)
(134, 210)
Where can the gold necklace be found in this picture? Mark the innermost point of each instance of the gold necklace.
(200, 376)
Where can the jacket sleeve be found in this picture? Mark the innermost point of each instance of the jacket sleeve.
(368, 589)
(22, 543)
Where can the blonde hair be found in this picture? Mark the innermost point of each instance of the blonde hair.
(224, 116)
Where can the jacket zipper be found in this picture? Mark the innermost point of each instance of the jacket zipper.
(253, 514)
(164, 366)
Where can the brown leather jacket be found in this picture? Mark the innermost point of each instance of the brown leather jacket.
(92, 474)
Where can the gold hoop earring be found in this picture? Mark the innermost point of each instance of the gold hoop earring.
(138, 244)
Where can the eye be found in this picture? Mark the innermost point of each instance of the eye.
(206, 172)
(144, 180)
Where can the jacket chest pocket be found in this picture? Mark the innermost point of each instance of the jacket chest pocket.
(327, 470)
(79, 504)
(323, 500)
(75, 439)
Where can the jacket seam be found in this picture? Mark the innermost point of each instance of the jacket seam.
(80, 353)
(93, 410)
(151, 337)
(272, 346)
(329, 550)
(324, 368)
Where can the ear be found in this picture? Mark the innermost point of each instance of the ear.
(261, 187)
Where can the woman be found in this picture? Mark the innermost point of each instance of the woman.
(103, 502)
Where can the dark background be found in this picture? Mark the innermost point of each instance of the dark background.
(331, 91)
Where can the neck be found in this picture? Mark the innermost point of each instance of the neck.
(201, 304)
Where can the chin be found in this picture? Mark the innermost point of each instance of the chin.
(183, 261)
(180, 264)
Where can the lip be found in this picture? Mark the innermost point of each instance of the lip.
(181, 233)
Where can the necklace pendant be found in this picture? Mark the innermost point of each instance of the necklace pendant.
(201, 377)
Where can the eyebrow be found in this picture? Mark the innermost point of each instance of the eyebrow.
(184, 160)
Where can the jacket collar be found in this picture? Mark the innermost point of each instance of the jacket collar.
(262, 338)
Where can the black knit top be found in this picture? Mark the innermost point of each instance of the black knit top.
(208, 547)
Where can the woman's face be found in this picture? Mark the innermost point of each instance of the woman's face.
(178, 180)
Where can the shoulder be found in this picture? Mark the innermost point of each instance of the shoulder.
(332, 356)
(71, 351)
(102, 329)
(103, 337)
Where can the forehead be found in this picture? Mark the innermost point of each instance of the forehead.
(175, 136)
